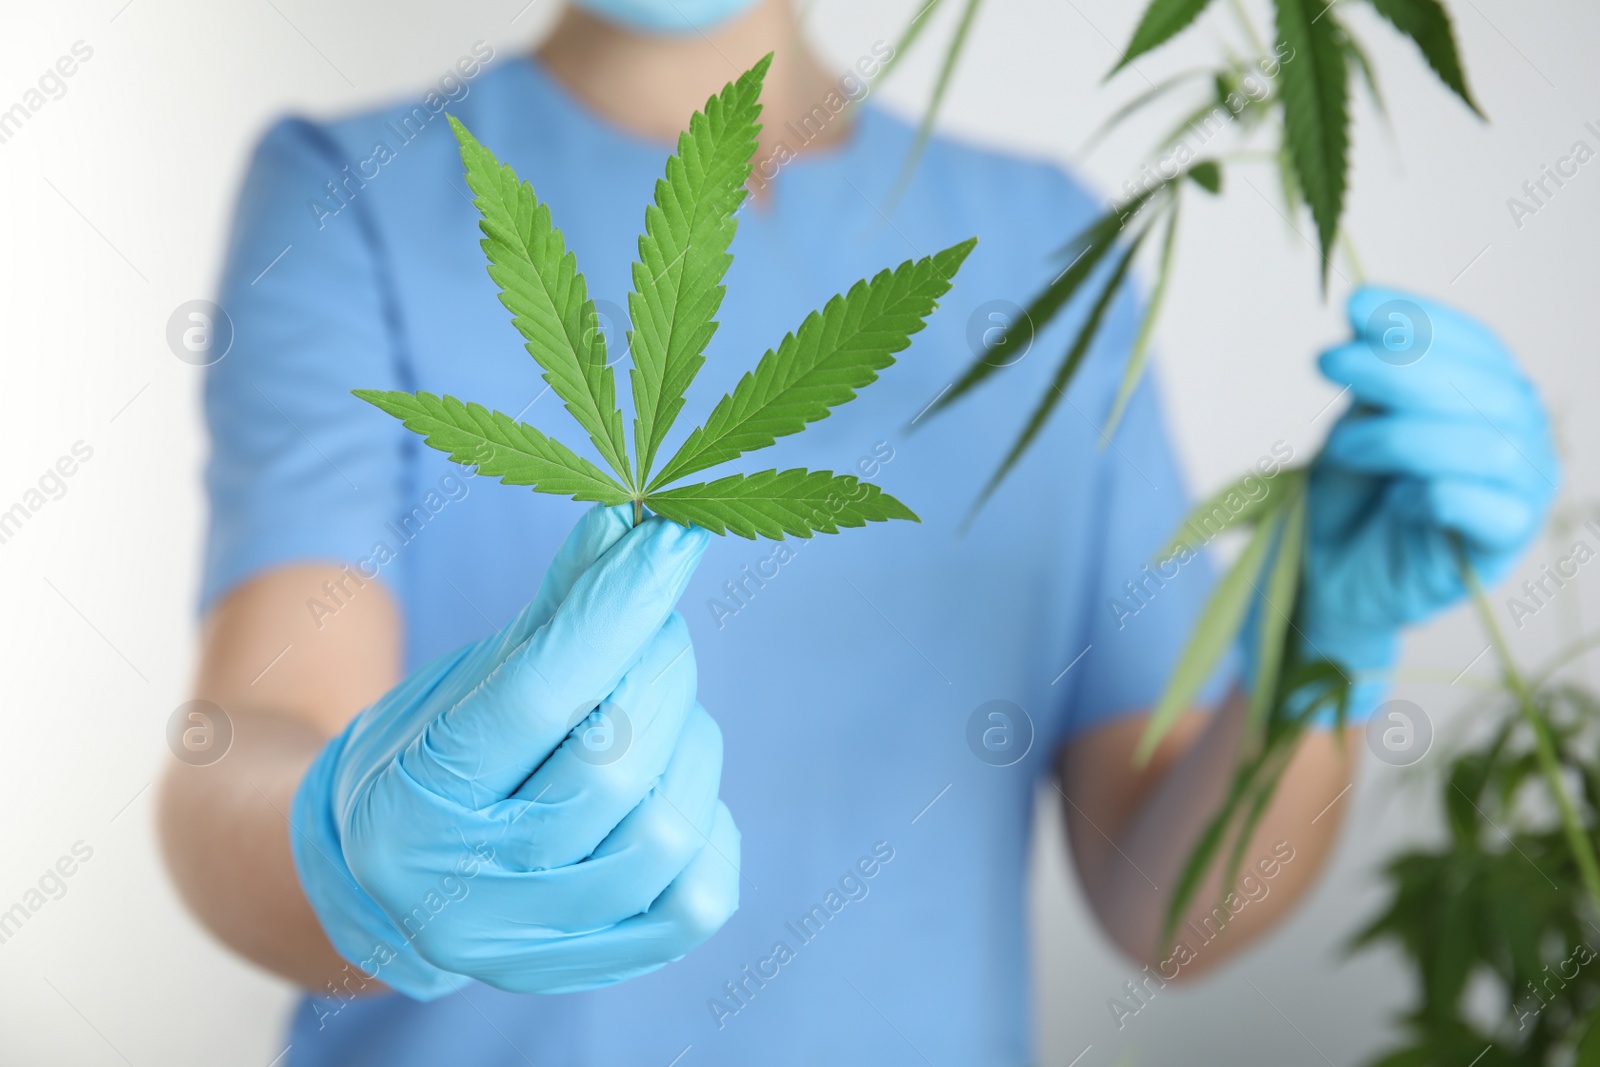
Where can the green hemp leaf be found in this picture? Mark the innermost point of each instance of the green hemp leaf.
(677, 290)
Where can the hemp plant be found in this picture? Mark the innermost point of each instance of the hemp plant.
(677, 290)
(1299, 90)
(1507, 903)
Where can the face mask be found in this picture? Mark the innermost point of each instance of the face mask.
(665, 16)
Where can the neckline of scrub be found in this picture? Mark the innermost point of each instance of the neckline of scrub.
(862, 115)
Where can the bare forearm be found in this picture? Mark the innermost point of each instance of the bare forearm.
(1130, 858)
(287, 682)
(225, 832)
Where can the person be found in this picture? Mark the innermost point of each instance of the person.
(515, 780)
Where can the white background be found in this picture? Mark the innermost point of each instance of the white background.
(116, 196)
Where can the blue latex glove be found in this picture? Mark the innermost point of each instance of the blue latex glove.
(1444, 436)
(464, 828)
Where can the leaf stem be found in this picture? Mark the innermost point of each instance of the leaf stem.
(638, 511)
(1577, 839)
(1140, 352)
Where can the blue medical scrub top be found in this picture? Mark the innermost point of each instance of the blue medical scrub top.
(852, 675)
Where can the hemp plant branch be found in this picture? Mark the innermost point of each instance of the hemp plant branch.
(1300, 88)
(1305, 101)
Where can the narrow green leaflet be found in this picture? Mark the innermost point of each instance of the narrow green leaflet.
(1260, 766)
(909, 35)
(821, 365)
(1428, 24)
(1250, 791)
(1149, 96)
(1267, 746)
(1086, 251)
(941, 85)
(773, 503)
(1213, 632)
(1266, 785)
(1140, 353)
(1236, 504)
(498, 445)
(1064, 373)
(1201, 855)
(547, 297)
(1316, 117)
(1277, 604)
(683, 257)
(1162, 20)
(1361, 63)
